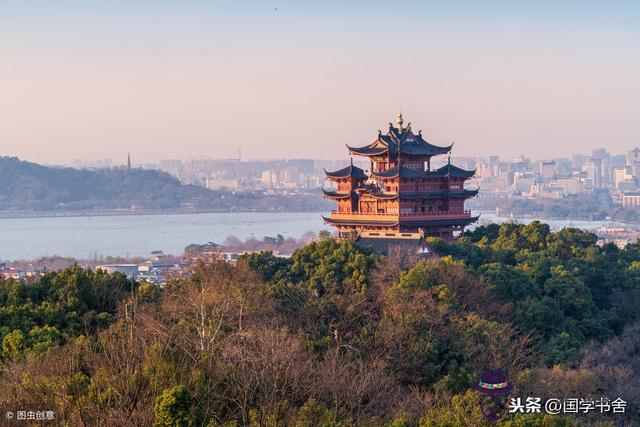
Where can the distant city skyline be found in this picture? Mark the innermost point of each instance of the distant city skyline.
(136, 162)
(165, 80)
(554, 178)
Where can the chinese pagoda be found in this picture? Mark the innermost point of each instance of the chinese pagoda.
(400, 195)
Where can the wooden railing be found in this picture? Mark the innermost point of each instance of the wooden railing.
(463, 214)
(364, 216)
(372, 216)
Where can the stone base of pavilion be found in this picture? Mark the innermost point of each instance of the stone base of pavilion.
(383, 241)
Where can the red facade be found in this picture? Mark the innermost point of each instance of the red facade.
(401, 193)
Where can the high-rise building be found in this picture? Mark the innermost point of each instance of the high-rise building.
(570, 186)
(564, 168)
(631, 199)
(494, 161)
(622, 174)
(520, 163)
(633, 160)
(548, 170)
(606, 176)
(578, 161)
(594, 172)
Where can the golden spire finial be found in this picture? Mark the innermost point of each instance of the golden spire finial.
(400, 121)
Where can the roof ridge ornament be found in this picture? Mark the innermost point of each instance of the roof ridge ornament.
(400, 121)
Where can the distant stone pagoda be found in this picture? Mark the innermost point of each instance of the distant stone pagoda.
(400, 196)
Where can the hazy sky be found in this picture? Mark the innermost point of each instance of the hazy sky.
(178, 79)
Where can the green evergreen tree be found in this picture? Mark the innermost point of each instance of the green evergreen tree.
(172, 408)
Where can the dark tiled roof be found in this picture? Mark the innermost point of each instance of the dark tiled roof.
(368, 151)
(423, 194)
(336, 194)
(452, 170)
(350, 170)
(382, 245)
(366, 187)
(384, 196)
(401, 171)
(463, 194)
(418, 146)
(457, 194)
(404, 172)
(386, 138)
(404, 141)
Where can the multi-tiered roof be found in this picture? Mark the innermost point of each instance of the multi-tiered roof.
(400, 193)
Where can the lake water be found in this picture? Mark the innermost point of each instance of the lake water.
(555, 224)
(138, 235)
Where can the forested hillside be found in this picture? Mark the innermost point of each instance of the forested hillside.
(334, 336)
(29, 186)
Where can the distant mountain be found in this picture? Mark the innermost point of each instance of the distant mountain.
(30, 186)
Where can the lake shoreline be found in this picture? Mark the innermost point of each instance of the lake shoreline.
(129, 234)
(83, 236)
(124, 212)
(129, 212)
(555, 223)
